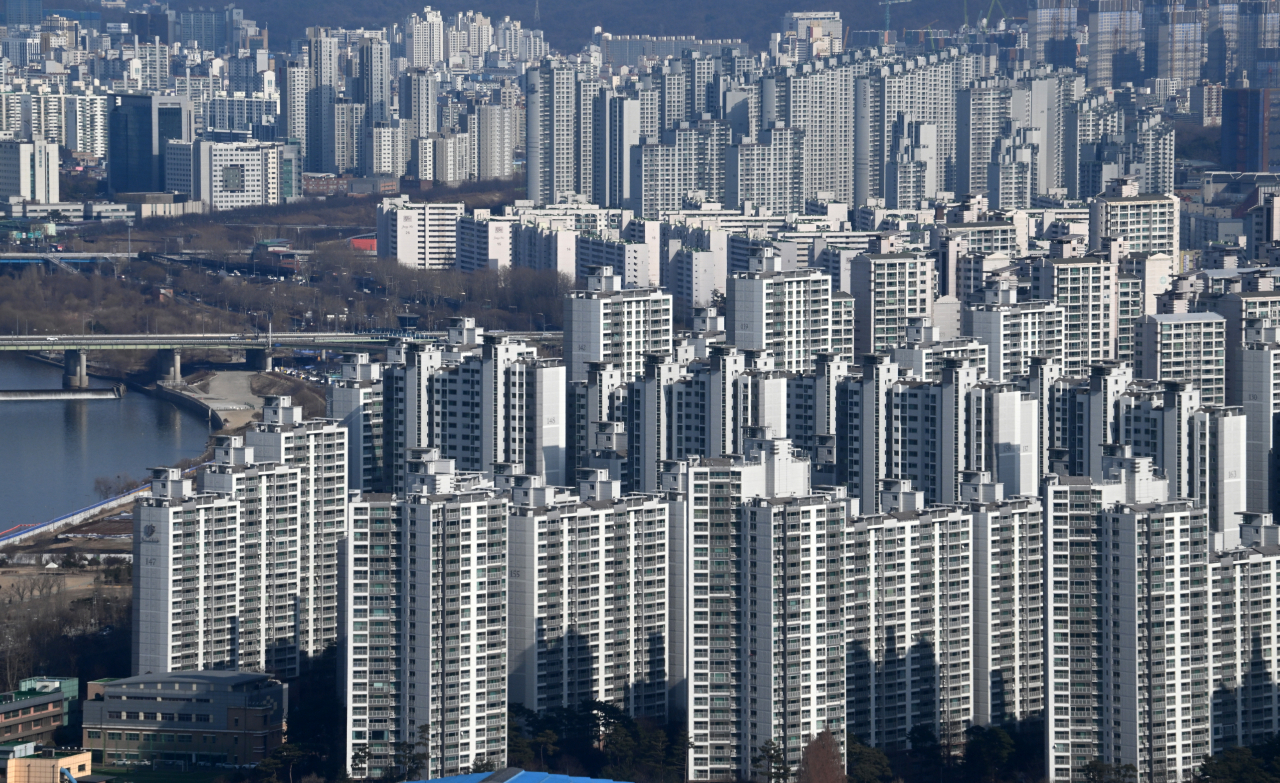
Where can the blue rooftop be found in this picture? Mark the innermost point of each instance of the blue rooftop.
(516, 775)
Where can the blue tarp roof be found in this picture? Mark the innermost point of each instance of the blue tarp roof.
(516, 775)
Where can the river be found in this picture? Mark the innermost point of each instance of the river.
(52, 451)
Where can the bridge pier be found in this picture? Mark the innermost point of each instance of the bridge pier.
(174, 357)
(75, 369)
(258, 359)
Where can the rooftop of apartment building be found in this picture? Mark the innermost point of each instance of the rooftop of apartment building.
(1174, 318)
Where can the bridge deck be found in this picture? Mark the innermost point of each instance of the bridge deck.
(151, 342)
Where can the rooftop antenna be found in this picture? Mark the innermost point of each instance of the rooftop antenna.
(537, 12)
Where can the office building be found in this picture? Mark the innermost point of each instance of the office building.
(29, 170)
(213, 717)
(1249, 124)
(139, 126)
(234, 175)
(30, 716)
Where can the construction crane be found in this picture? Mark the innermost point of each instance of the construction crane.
(886, 4)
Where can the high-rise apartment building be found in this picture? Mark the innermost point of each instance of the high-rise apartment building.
(1184, 347)
(355, 400)
(888, 289)
(1083, 287)
(594, 597)
(606, 323)
(424, 658)
(251, 582)
(786, 314)
(420, 235)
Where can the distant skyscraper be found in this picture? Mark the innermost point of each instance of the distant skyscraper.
(552, 126)
(375, 79)
(1174, 43)
(1051, 31)
(138, 127)
(424, 39)
(322, 95)
(1251, 130)
(23, 12)
(1115, 42)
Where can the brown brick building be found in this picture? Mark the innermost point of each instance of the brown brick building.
(29, 716)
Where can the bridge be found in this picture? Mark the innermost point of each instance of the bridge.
(257, 347)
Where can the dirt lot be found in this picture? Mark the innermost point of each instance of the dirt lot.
(83, 539)
(76, 582)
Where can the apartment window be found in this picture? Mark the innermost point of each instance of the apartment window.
(131, 737)
(95, 735)
(114, 735)
(113, 716)
(184, 738)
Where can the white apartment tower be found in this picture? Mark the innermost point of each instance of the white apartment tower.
(888, 290)
(1085, 288)
(355, 400)
(787, 314)
(593, 602)
(418, 235)
(424, 620)
(607, 323)
(1143, 221)
(253, 582)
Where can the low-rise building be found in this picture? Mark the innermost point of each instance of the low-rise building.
(212, 717)
(30, 715)
(22, 763)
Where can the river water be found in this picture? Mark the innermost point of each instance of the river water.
(51, 451)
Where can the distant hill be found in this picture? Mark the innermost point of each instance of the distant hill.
(568, 23)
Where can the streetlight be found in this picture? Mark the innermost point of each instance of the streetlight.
(129, 229)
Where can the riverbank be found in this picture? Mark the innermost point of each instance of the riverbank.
(217, 417)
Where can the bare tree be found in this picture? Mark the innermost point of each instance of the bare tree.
(821, 761)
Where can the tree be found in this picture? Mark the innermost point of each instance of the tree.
(407, 760)
(1234, 765)
(546, 744)
(867, 764)
(519, 749)
(359, 760)
(1097, 771)
(985, 751)
(771, 763)
(821, 761)
(489, 764)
